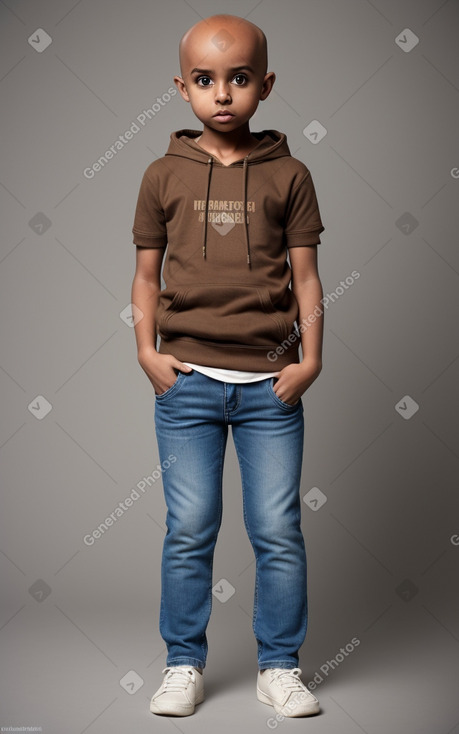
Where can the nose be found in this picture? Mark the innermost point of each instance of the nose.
(222, 92)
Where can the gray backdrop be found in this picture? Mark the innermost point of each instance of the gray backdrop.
(80, 649)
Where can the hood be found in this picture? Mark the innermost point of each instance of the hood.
(272, 144)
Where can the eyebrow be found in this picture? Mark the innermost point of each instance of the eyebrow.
(210, 71)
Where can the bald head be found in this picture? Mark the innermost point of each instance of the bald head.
(221, 33)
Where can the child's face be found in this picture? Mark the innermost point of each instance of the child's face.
(230, 80)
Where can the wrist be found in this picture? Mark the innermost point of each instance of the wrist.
(312, 364)
(146, 350)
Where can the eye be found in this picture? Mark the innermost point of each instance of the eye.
(240, 79)
(204, 81)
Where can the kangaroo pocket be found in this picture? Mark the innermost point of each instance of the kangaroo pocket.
(228, 313)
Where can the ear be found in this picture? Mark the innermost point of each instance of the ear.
(267, 85)
(181, 86)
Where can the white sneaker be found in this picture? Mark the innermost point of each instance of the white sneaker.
(283, 689)
(181, 689)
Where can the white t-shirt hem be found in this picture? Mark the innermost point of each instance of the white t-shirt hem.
(235, 376)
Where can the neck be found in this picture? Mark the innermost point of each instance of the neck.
(227, 143)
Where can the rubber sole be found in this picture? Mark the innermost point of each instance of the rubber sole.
(313, 708)
(170, 710)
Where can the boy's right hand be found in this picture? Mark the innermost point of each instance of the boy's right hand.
(161, 369)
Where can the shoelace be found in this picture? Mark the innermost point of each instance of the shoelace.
(177, 678)
(289, 679)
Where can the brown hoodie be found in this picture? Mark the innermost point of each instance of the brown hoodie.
(227, 301)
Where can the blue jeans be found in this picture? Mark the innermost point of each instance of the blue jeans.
(191, 420)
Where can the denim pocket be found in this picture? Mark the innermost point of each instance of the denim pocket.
(170, 390)
(276, 398)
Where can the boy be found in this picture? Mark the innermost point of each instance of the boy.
(229, 204)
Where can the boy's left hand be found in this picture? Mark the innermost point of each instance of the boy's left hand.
(294, 380)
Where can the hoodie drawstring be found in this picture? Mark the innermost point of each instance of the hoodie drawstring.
(206, 214)
(210, 162)
(244, 199)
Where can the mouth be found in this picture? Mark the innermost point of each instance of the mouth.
(223, 116)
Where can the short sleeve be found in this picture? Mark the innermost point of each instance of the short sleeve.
(149, 228)
(303, 223)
